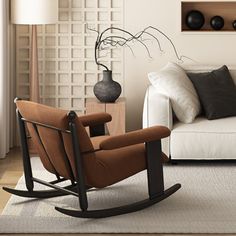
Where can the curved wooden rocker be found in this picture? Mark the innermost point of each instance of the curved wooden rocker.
(94, 161)
(122, 209)
(36, 194)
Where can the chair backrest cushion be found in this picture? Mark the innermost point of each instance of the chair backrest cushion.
(55, 148)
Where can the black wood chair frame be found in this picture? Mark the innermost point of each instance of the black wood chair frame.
(78, 188)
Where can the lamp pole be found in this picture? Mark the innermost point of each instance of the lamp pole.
(34, 80)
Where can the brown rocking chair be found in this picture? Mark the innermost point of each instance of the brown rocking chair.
(98, 161)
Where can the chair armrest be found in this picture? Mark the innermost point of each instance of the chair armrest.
(95, 119)
(135, 137)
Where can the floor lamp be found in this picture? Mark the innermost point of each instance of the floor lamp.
(34, 12)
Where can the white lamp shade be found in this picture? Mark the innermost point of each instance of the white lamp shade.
(34, 12)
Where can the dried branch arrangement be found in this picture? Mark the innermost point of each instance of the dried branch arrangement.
(124, 38)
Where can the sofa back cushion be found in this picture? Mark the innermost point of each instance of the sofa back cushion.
(173, 82)
(217, 92)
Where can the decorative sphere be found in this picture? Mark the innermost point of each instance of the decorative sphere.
(234, 24)
(195, 20)
(217, 22)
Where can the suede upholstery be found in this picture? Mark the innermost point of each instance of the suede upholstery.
(95, 119)
(135, 137)
(106, 160)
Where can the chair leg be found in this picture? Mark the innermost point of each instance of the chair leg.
(25, 154)
(78, 162)
(154, 169)
(97, 130)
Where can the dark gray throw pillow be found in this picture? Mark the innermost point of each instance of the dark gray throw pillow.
(216, 91)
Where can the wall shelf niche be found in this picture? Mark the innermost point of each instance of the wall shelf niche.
(226, 9)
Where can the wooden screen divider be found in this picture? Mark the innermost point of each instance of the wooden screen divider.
(67, 70)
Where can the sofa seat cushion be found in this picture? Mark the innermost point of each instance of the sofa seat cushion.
(204, 139)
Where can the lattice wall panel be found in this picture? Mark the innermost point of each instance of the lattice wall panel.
(67, 70)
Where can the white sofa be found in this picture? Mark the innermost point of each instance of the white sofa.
(203, 139)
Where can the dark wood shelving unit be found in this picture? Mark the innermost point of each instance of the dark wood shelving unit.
(227, 10)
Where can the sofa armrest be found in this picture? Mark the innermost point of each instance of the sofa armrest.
(157, 109)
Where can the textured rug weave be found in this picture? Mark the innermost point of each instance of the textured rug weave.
(206, 203)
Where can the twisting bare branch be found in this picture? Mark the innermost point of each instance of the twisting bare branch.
(120, 43)
(126, 38)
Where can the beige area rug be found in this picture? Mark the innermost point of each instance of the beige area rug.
(206, 203)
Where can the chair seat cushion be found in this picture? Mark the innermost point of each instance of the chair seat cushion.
(112, 166)
(97, 140)
(204, 139)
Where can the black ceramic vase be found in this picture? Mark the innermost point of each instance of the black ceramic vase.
(107, 90)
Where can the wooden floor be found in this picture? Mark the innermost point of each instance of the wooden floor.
(11, 170)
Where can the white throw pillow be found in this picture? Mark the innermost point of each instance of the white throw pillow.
(173, 82)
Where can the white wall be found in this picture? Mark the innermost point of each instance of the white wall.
(205, 48)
